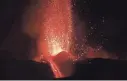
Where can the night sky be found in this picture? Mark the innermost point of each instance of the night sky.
(12, 39)
(106, 17)
(106, 23)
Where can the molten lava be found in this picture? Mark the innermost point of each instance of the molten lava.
(50, 24)
(56, 31)
(58, 26)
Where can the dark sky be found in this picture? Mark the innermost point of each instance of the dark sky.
(114, 28)
(10, 11)
(106, 19)
(12, 39)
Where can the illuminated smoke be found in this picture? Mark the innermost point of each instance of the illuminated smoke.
(51, 24)
(56, 31)
(58, 26)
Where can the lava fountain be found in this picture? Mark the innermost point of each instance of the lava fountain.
(58, 26)
(49, 23)
(56, 31)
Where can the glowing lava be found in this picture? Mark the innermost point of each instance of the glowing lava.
(50, 24)
(56, 31)
(58, 26)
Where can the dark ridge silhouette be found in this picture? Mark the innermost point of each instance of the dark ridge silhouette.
(13, 69)
(24, 70)
(99, 69)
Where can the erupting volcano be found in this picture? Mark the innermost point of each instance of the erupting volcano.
(50, 25)
(58, 26)
(56, 31)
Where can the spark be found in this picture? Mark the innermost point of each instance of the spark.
(58, 26)
(57, 32)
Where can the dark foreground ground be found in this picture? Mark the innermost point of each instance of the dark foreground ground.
(11, 69)
(24, 70)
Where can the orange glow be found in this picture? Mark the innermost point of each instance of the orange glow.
(58, 26)
(55, 69)
(56, 31)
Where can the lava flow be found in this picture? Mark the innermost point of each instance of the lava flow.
(56, 31)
